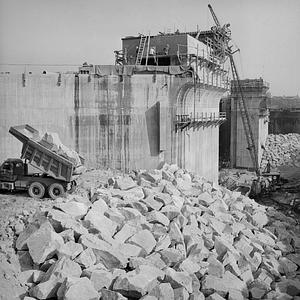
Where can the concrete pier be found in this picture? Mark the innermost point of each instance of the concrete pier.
(256, 98)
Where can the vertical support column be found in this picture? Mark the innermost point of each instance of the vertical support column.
(76, 108)
(233, 133)
(255, 94)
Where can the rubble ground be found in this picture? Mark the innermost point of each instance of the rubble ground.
(159, 234)
(231, 178)
(282, 150)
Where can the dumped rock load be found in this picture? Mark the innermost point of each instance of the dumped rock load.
(52, 141)
(161, 234)
(282, 150)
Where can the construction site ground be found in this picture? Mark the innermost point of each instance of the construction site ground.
(17, 211)
(283, 195)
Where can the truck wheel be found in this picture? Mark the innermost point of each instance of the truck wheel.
(36, 190)
(56, 190)
(73, 186)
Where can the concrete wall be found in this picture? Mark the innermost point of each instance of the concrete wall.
(196, 47)
(263, 132)
(198, 149)
(38, 100)
(179, 44)
(224, 131)
(159, 41)
(119, 120)
(123, 122)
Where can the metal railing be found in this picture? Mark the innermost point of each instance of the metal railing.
(197, 120)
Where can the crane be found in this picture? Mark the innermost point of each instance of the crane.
(214, 16)
(245, 117)
(225, 33)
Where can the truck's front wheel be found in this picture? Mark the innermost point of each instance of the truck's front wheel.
(36, 190)
(56, 190)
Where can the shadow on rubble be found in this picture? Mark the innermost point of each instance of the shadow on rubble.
(14, 193)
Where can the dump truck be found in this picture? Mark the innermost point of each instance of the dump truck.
(55, 172)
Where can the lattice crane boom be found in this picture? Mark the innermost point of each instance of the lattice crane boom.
(214, 16)
(245, 118)
(224, 30)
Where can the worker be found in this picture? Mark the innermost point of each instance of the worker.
(256, 187)
(272, 187)
(268, 168)
(263, 186)
(267, 185)
(166, 49)
(152, 51)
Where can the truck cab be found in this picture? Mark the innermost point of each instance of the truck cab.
(12, 168)
(14, 176)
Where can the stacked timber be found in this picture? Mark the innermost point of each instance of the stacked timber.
(282, 150)
(161, 234)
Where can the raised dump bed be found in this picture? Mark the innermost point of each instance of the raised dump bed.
(41, 157)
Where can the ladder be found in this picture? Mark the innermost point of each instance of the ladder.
(245, 118)
(141, 49)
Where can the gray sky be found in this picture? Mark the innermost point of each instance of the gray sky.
(75, 31)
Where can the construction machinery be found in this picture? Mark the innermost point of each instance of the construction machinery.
(224, 35)
(55, 174)
(266, 180)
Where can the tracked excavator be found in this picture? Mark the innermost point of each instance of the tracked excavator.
(265, 180)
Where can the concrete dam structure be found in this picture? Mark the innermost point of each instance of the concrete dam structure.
(125, 116)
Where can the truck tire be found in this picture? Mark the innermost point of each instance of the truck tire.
(56, 190)
(36, 190)
(73, 186)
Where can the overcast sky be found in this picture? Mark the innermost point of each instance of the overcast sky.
(75, 31)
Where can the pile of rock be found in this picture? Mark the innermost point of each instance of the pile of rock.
(282, 150)
(162, 234)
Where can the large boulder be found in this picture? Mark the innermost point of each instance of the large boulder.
(124, 183)
(78, 288)
(62, 221)
(44, 243)
(111, 295)
(46, 289)
(69, 249)
(143, 239)
(21, 243)
(74, 209)
(163, 291)
(137, 283)
(101, 279)
(86, 258)
(100, 222)
(179, 279)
